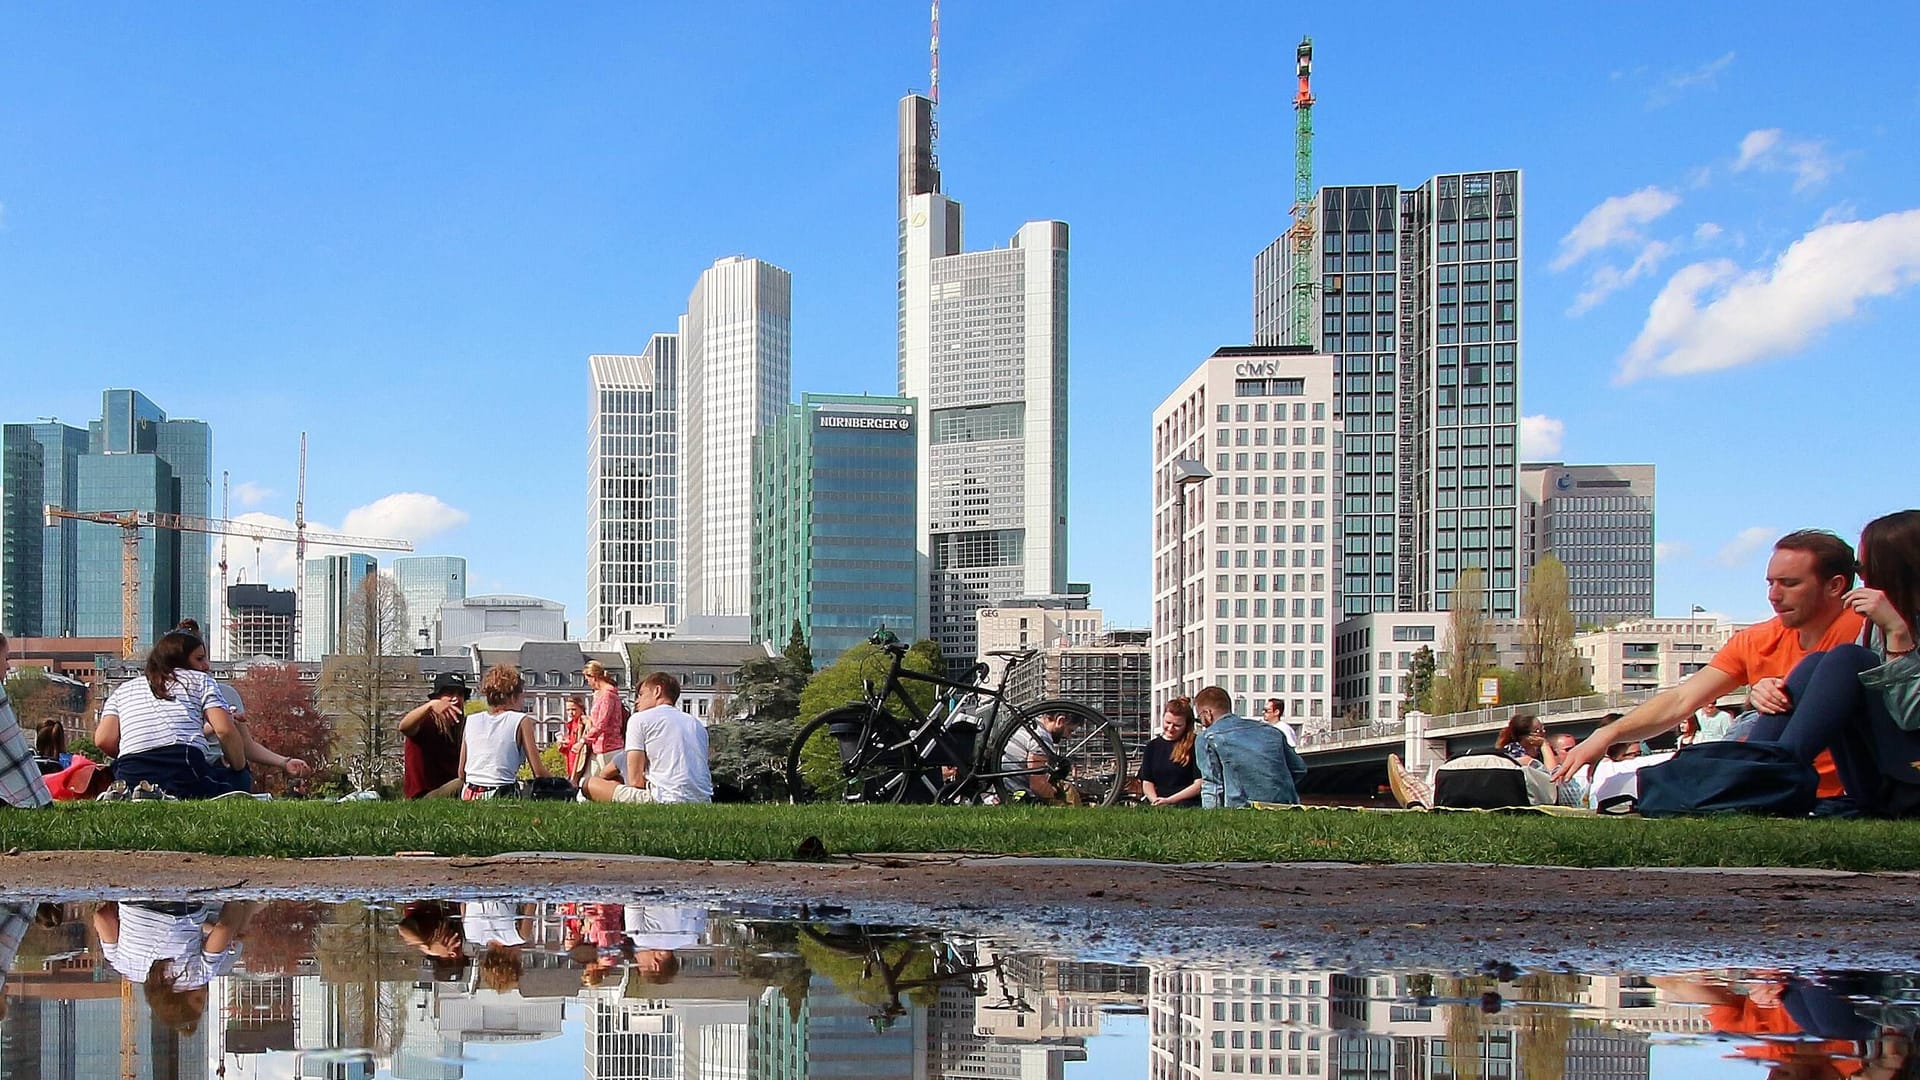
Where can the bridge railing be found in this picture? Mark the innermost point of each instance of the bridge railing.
(1478, 718)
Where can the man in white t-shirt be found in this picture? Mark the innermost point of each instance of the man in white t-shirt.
(666, 755)
(1276, 716)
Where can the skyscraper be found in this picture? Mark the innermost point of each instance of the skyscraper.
(834, 523)
(983, 348)
(332, 582)
(633, 503)
(1419, 299)
(1598, 520)
(427, 581)
(38, 562)
(736, 352)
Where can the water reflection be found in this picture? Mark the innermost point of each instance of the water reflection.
(447, 990)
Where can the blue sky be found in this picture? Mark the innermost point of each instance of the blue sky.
(404, 227)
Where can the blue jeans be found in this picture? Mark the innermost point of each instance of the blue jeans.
(1832, 711)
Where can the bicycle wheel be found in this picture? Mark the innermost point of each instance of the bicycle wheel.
(1076, 758)
(853, 754)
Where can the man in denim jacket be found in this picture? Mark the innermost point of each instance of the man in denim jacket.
(1244, 760)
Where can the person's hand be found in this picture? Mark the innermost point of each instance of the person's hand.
(445, 713)
(1589, 751)
(1769, 696)
(1873, 605)
(297, 767)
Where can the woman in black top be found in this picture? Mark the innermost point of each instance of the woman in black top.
(1169, 776)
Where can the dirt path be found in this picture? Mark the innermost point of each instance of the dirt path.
(1337, 913)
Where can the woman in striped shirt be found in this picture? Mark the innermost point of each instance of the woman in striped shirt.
(152, 725)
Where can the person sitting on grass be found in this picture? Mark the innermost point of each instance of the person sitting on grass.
(50, 747)
(154, 726)
(499, 740)
(237, 777)
(21, 785)
(1247, 760)
(1524, 739)
(433, 732)
(666, 752)
(1168, 774)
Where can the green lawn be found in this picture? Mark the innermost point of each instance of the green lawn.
(773, 832)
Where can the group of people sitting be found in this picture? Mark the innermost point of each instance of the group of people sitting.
(1208, 756)
(656, 753)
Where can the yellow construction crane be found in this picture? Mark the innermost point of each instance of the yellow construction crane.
(130, 522)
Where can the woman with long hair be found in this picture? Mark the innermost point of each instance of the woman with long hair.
(154, 726)
(606, 732)
(573, 737)
(1524, 739)
(1169, 775)
(1862, 701)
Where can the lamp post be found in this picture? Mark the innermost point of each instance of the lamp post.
(1186, 473)
(1693, 635)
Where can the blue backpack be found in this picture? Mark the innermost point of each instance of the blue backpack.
(1729, 778)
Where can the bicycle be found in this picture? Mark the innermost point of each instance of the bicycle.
(973, 745)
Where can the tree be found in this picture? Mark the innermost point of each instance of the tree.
(797, 652)
(37, 698)
(748, 742)
(285, 719)
(1550, 669)
(366, 682)
(1420, 679)
(844, 682)
(1469, 645)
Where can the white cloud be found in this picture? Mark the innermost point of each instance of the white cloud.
(1540, 437)
(1707, 75)
(1672, 551)
(248, 493)
(1713, 315)
(1770, 150)
(1706, 231)
(402, 516)
(1615, 221)
(1750, 542)
(1609, 279)
(405, 515)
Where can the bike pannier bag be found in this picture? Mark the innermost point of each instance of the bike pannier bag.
(1490, 782)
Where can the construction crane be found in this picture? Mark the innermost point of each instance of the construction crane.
(1303, 197)
(131, 522)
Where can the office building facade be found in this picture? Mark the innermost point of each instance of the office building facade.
(427, 581)
(633, 504)
(1598, 520)
(736, 355)
(332, 583)
(260, 622)
(983, 348)
(1245, 556)
(1418, 297)
(834, 523)
(39, 561)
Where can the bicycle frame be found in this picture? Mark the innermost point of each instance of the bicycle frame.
(927, 729)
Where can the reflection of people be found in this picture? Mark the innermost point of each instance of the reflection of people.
(498, 930)
(654, 931)
(13, 930)
(1807, 1029)
(434, 927)
(173, 950)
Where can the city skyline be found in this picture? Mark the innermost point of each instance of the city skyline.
(1696, 164)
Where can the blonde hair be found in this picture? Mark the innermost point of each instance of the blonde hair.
(594, 669)
(500, 684)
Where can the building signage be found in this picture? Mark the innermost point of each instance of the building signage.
(1256, 369)
(862, 422)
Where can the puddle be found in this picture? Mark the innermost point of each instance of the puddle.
(442, 990)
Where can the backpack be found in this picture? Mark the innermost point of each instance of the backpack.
(1490, 781)
(1727, 778)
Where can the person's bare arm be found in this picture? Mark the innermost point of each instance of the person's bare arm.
(1152, 793)
(415, 719)
(1685, 990)
(1661, 712)
(232, 743)
(637, 768)
(463, 761)
(439, 710)
(106, 734)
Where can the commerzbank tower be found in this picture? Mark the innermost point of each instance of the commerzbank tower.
(983, 349)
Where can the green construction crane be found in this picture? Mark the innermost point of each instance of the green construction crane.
(1303, 198)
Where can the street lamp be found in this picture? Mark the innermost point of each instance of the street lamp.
(1186, 473)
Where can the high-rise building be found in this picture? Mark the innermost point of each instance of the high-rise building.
(1418, 298)
(332, 583)
(1245, 495)
(427, 581)
(633, 502)
(39, 561)
(1598, 520)
(736, 355)
(983, 348)
(260, 622)
(834, 523)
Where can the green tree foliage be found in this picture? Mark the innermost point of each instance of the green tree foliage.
(843, 683)
(797, 652)
(1469, 645)
(747, 746)
(1420, 679)
(1550, 670)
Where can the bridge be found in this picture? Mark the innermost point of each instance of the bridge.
(1353, 761)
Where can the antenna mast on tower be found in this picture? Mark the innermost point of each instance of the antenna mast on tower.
(300, 549)
(1303, 197)
(933, 89)
(226, 632)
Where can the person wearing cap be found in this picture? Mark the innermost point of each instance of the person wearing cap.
(433, 733)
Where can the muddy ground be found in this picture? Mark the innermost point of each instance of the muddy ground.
(1453, 916)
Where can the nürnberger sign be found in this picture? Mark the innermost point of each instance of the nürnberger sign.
(863, 422)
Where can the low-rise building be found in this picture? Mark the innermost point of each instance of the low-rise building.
(1373, 659)
(499, 622)
(260, 622)
(1112, 672)
(1648, 654)
(1033, 622)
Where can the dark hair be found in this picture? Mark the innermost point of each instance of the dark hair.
(51, 740)
(1278, 705)
(172, 653)
(3, 641)
(1890, 560)
(191, 626)
(1518, 728)
(1182, 751)
(1619, 750)
(1832, 556)
(668, 686)
(578, 700)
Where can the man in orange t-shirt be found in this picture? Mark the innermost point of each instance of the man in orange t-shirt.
(1808, 578)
